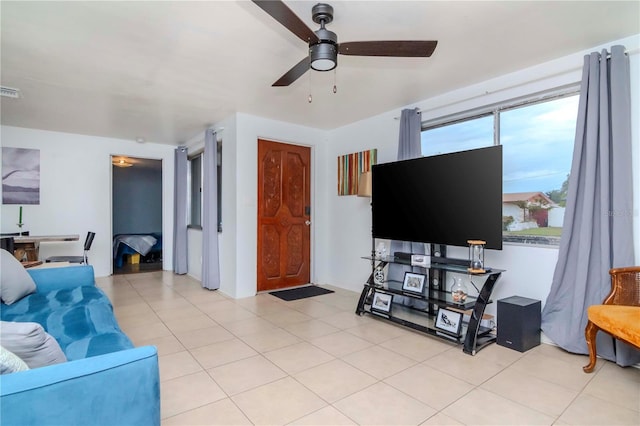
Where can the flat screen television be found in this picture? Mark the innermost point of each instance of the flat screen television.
(442, 199)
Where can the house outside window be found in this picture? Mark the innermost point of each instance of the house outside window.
(537, 136)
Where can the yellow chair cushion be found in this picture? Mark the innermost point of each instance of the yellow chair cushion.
(620, 321)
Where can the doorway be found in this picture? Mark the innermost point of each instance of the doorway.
(284, 215)
(136, 214)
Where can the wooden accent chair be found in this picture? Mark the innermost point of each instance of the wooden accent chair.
(619, 314)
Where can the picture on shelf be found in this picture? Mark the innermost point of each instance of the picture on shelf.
(413, 282)
(449, 321)
(381, 302)
(420, 260)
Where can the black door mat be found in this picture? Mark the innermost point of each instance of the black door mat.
(300, 292)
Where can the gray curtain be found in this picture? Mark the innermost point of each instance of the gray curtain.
(180, 212)
(408, 148)
(409, 135)
(598, 227)
(210, 262)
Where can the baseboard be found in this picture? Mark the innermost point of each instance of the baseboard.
(545, 339)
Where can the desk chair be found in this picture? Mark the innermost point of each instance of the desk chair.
(76, 259)
(6, 243)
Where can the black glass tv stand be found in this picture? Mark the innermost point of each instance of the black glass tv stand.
(419, 310)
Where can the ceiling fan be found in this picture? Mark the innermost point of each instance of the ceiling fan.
(323, 44)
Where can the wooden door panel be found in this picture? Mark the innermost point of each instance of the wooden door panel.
(295, 250)
(295, 185)
(271, 249)
(283, 215)
(271, 183)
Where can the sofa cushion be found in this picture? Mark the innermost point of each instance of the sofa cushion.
(81, 319)
(38, 306)
(10, 362)
(15, 281)
(31, 343)
(87, 330)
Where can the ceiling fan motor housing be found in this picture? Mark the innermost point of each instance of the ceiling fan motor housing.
(322, 12)
(324, 55)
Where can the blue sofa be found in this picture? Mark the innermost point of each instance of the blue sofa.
(105, 381)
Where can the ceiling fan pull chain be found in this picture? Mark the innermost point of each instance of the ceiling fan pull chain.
(335, 88)
(310, 99)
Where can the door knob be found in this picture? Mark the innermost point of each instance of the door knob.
(307, 222)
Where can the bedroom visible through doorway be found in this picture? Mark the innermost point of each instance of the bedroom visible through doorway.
(136, 214)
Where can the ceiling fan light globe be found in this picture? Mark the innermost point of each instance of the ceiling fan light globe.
(323, 65)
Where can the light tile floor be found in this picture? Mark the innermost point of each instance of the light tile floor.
(261, 360)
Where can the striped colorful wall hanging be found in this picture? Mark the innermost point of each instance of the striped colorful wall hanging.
(350, 167)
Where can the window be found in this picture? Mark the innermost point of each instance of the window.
(195, 190)
(537, 138)
(461, 135)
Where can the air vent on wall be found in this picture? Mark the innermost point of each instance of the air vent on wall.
(10, 92)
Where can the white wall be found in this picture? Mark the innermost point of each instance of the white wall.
(529, 269)
(556, 216)
(75, 191)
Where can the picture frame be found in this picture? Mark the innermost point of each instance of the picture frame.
(421, 260)
(413, 283)
(449, 321)
(381, 303)
(21, 177)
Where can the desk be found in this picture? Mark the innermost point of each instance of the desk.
(54, 265)
(30, 245)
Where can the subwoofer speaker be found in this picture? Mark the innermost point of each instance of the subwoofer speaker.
(518, 323)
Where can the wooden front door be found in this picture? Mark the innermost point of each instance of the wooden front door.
(284, 209)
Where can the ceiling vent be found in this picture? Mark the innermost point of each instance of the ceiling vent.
(10, 92)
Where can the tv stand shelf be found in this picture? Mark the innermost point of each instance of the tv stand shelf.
(421, 315)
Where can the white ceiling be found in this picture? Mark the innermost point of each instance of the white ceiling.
(164, 71)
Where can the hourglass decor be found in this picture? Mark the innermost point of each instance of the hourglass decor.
(476, 256)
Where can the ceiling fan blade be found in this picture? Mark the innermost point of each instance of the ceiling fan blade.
(281, 13)
(294, 73)
(405, 49)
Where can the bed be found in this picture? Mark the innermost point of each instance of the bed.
(143, 244)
